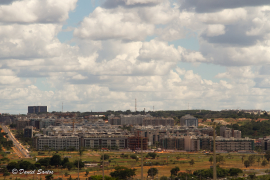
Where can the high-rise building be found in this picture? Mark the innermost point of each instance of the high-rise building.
(28, 131)
(37, 109)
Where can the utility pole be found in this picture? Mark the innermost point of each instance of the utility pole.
(141, 157)
(103, 166)
(78, 170)
(214, 153)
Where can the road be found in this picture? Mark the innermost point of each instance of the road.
(24, 152)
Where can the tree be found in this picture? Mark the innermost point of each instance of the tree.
(44, 162)
(252, 176)
(55, 160)
(81, 164)
(191, 162)
(25, 165)
(133, 156)
(212, 120)
(178, 157)
(49, 177)
(106, 157)
(235, 171)
(6, 173)
(264, 163)
(174, 171)
(12, 165)
(64, 161)
(38, 165)
(86, 172)
(204, 119)
(246, 163)
(211, 159)
(124, 155)
(69, 165)
(152, 155)
(66, 174)
(152, 172)
(122, 172)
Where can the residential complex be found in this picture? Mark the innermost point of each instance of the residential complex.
(228, 132)
(61, 131)
(140, 120)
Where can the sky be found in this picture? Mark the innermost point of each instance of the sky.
(98, 55)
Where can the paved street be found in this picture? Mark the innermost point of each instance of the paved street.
(23, 152)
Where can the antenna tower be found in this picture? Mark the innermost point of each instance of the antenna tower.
(153, 108)
(62, 106)
(135, 105)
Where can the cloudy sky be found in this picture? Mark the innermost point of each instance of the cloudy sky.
(102, 54)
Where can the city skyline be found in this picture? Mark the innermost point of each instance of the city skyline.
(102, 55)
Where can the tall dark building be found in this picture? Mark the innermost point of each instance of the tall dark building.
(37, 109)
(28, 131)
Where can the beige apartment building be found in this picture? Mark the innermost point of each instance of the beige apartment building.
(44, 142)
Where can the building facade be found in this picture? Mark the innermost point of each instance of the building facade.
(231, 144)
(99, 141)
(21, 124)
(139, 119)
(56, 142)
(157, 121)
(189, 121)
(37, 109)
(229, 132)
(28, 131)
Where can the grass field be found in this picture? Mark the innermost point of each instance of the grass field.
(167, 162)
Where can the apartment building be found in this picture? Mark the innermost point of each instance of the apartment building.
(176, 143)
(229, 132)
(156, 121)
(108, 141)
(28, 132)
(232, 144)
(139, 119)
(187, 143)
(44, 142)
(37, 109)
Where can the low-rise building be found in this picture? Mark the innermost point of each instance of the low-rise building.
(188, 121)
(108, 141)
(232, 144)
(44, 142)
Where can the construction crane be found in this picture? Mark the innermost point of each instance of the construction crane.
(73, 124)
